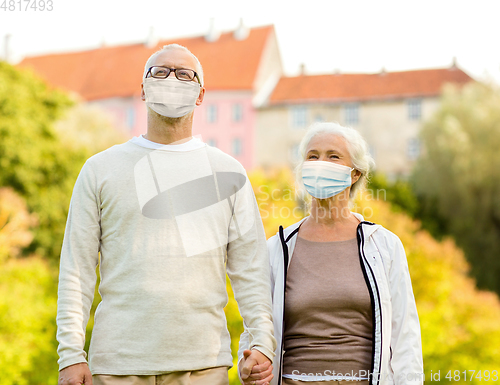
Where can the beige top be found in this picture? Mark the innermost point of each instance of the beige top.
(168, 225)
(328, 315)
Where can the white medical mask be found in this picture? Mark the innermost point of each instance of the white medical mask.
(325, 179)
(171, 97)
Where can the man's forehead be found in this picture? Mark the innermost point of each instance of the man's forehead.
(177, 58)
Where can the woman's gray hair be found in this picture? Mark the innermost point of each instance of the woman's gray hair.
(356, 145)
(199, 69)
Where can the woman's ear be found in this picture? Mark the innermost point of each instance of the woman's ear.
(356, 176)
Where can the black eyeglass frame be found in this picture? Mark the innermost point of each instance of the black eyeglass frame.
(174, 70)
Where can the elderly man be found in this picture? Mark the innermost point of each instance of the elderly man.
(168, 215)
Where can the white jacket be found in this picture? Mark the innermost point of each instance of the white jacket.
(397, 347)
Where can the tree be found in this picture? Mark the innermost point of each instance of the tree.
(457, 180)
(43, 145)
(32, 159)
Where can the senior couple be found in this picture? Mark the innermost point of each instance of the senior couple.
(326, 301)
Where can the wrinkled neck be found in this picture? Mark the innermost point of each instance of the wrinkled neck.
(331, 210)
(165, 130)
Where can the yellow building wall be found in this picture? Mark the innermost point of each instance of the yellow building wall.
(384, 124)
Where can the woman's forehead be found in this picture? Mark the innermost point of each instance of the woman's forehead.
(327, 142)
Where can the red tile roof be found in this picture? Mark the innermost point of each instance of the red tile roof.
(228, 64)
(358, 87)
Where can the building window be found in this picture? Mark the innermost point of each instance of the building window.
(212, 142)
(299, 116)
(413, 148)
(237, 112)
(211, 113)
(414, 109)
(351, 113)
(130, 118)
(237, 147)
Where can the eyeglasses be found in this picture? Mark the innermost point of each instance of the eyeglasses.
(183, 74)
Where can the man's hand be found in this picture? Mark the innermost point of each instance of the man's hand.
(76, 374)
(255, 368)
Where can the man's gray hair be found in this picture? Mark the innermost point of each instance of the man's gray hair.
(149, 63)
(356, 145)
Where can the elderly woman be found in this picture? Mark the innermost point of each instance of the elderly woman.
(343, 305)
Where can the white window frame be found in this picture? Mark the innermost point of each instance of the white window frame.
(237, 112)
(413, 148)
(351, 114)
(414, 109)
(212, 113)
(237, 146)
(298, 116)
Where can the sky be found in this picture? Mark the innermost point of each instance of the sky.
(324, 35)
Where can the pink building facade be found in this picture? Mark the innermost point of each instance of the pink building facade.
(226, 120)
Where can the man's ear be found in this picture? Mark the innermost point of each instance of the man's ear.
(143, 95)
(200, 96)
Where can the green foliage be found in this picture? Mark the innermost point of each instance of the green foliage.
(43, 145)
(399, 193)
(27, 302)
(32, 159)
(277, 198)
(457, 179)
(28, 349)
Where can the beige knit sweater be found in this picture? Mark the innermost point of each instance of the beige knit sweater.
(167, 224)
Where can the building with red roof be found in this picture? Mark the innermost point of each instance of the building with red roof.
(250, 110)
(238, 68)
(388, 109)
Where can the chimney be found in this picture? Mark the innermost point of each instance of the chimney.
(241, 33)
(152, 40)
(212, 34)
(302, 69)
(7, 48)
(454, 65)
(383, 72)
(336, 71)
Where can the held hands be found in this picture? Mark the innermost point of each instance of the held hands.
(255, 368)
(76, 374)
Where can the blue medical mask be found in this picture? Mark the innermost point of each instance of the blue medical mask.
(325, 179)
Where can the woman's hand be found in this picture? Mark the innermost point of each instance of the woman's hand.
(255, 368)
